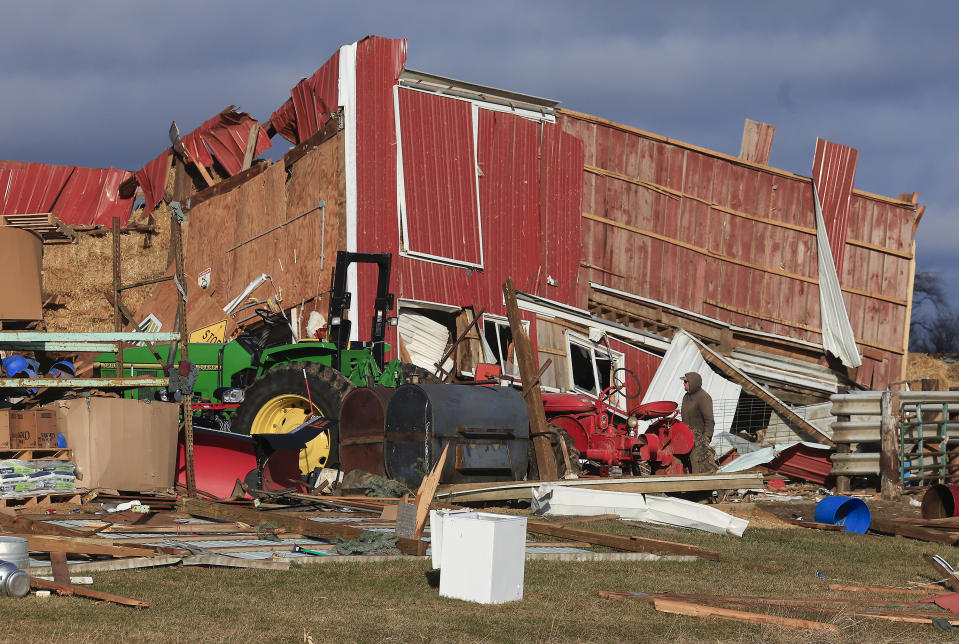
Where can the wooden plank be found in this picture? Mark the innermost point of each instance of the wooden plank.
(226, 185)
(54, 544)
(889, 482)
(426, 492)
(67, 589)
(630, 543)
(879, 524)
(698, 610)
(469, 492)
(21, 526)
(235, 562)
(879, 589)
(112, 564)
(250, 146)
(732, 260)
(792, 419)
(210, 510)
(58, 562)
(814, 525)
(545, 458)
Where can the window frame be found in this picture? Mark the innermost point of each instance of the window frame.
(617, 360)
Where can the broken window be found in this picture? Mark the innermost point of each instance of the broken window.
(498, 343)
(591, 365)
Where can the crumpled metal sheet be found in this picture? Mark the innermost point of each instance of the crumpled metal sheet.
(152, 179)
(77, 196)
(224, 138)
(284, 121)
(837, 335)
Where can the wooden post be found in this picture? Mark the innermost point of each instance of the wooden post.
(545, 459)
(117, 283)
(890, 485)
(187, 405)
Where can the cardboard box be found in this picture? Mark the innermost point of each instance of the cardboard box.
(121, 444)
(20, 291)
(33, 429)
(4, 429)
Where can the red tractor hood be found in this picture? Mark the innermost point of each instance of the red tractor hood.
(567, 403)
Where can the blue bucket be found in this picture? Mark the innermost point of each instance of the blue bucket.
(849, 511)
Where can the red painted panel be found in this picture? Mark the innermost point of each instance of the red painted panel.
(91, 196)
(152, 179)
(641, 362)
(284, 121)
(28, 188)
(314, 97)
(440, 176)
(834, 172)
(77, 196)
(561, 196)
(227, 135)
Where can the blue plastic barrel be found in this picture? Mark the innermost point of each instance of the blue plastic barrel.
(849, 511)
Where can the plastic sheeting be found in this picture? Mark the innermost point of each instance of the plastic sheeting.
(682, 357)
(664, 510)
(837, 336)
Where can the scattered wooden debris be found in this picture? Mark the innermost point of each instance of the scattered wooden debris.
(68, 589)
(698, 610)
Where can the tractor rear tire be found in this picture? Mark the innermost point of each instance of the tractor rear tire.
(279, 402)
(557, 446)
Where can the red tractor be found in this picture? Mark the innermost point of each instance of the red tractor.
(604, 444)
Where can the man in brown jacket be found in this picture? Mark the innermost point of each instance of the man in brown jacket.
(697, 412)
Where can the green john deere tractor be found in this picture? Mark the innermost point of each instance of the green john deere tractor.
(261, 383)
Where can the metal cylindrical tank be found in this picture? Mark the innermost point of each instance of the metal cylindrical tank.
(487, 429)
(14, 550)
(362, 427)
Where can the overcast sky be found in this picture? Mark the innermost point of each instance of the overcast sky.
(97, 83)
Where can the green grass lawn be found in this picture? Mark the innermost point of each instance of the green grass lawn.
(392, 601)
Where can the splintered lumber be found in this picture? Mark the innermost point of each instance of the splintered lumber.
(424, 496)
(250, 516)
(698, 610)
(19, 525)
(815, 525)
(67, 589)
(545, 458)
(630, 543)
(752, 601)
(899, 528)
(523, 490)
(92, 546)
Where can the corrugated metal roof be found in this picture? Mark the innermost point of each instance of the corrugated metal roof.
(454, 87)
(77, 196)
(284, 121)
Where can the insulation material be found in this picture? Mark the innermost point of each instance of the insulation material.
(682, 357)
(77, 196)
(424, 340)
(837, 334)
(558, 500)
(152, 180)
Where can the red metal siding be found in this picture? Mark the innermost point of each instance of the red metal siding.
(152, 180)
(314, 97)
(561, 193)
(641, 362)
(712, 244)
(834, 172)
(439, 171)
(77, 196)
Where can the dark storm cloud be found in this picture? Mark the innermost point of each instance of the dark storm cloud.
(97, 83)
